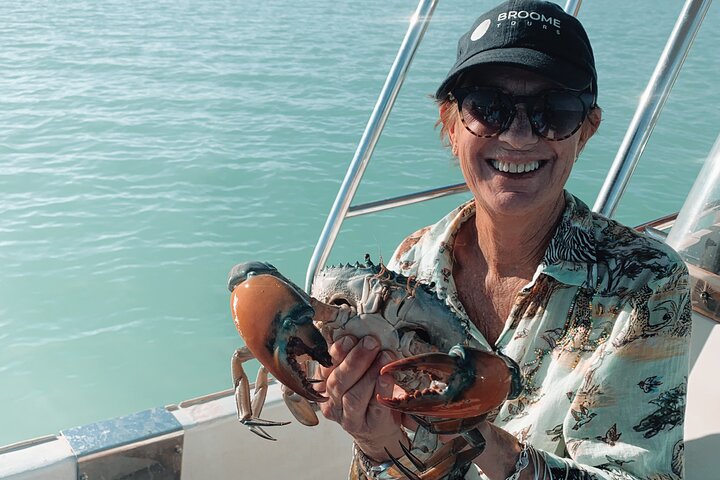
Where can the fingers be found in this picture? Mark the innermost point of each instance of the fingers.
(351, 388)
(338, 351)
(360, 409)
(350, 367)
(384, 385)
(332, 408)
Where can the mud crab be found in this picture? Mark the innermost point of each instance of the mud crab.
(450, 383)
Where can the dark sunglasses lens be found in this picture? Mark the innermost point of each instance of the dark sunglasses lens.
(486, 111)
(557, 115)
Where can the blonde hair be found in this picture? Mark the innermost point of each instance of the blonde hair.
(449, 114)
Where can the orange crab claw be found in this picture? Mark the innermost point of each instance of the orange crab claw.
(275, 320)
(462, 383)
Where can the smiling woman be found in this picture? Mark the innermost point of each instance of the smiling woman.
(502, 138)
(147, 147)
(568, 294)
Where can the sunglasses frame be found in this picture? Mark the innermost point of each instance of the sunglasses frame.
(586, 98)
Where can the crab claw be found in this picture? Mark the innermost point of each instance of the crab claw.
(462, 383)
(275, 319)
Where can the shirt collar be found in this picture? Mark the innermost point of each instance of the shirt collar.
(571, 255)
(569, 258)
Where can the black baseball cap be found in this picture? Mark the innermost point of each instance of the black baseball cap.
(532, 34)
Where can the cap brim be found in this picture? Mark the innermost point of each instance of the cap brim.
(557, 70)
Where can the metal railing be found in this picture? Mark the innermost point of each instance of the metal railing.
(641, 127)
(651, 104)
(409, 199)
(418, 25)
(573, 7)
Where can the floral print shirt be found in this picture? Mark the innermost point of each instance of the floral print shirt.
(601, 334)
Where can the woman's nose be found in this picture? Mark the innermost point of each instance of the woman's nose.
(520, 133)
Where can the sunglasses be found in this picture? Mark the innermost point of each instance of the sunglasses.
(553, 114)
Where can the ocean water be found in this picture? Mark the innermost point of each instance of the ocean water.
(146, 147)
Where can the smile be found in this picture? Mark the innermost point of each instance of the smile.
(515, 167)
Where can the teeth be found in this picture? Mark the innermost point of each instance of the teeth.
(514, 167)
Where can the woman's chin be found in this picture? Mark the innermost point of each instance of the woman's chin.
(516, 203)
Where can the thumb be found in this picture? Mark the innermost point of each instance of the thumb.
(385, 383)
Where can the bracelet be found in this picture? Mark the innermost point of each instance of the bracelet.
(367, 466)
(522, 463)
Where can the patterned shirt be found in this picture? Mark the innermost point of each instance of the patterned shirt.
(601, 334)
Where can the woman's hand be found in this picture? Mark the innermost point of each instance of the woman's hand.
(351, 385)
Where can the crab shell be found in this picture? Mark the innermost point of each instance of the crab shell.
(281, 324)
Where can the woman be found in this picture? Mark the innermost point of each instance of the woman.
(596, 315)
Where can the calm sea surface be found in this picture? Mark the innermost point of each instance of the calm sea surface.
(146, 147)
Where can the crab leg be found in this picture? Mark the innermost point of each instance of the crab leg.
(300, 407)
(249, 409)
(448, 426)
(448, 462)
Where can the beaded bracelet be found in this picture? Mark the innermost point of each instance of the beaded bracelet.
(522, 463)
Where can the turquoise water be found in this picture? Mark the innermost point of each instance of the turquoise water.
(146, 147)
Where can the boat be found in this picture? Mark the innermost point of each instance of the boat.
(201, 438)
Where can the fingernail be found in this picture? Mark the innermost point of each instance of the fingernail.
(347, 343)
(370, 343)
(386, 358)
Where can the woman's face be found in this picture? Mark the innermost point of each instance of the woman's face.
(544, 165)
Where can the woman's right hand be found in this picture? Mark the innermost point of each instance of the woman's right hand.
(351, 386)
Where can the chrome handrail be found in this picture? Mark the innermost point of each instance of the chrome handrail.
(573, 7)
(418, 24)
(651, 104)
(409, 199)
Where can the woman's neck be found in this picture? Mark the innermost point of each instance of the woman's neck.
(514, 246)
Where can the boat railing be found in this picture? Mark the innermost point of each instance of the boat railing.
(651, 104)
(646, 115)
(338, 212)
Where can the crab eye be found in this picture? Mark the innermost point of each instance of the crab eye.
(419, 333)
(339, 300)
